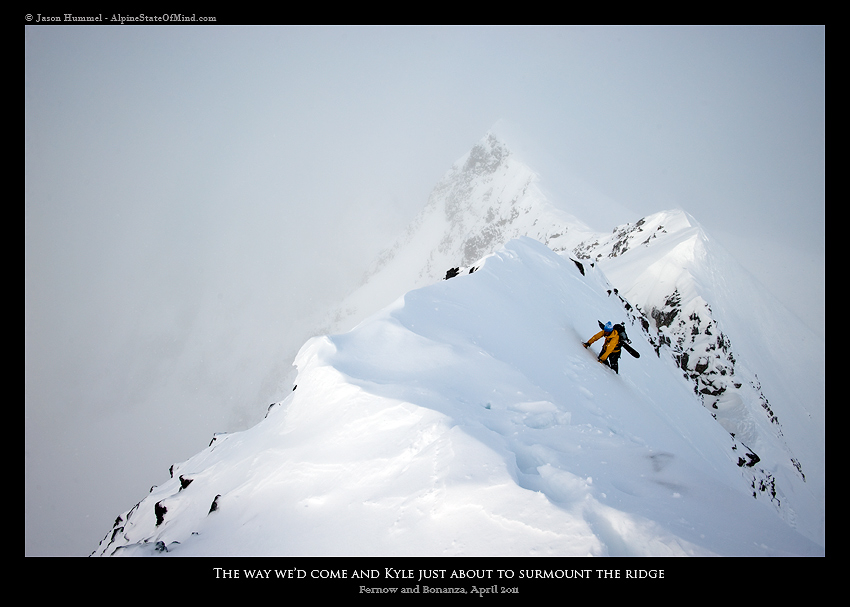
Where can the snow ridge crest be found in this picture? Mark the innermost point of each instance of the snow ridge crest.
(468, 418)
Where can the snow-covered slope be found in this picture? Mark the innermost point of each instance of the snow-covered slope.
(755, 366)
(467, 419)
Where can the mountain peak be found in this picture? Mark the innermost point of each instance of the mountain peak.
(487, 198)
(486, 156)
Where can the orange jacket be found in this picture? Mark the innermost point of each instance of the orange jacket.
(611, 345)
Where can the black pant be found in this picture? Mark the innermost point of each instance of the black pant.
(613, 361)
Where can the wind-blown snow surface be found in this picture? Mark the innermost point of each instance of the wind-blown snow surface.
(468, 419)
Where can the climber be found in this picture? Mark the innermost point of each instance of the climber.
(610, 354)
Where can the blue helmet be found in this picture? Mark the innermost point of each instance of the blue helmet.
(608, 327)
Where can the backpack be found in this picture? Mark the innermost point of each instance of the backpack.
(620, 329)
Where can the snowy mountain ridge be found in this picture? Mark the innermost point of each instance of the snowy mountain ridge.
(491, 371)
(671, 278)
(468, 419)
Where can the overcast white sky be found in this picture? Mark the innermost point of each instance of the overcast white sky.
(192, 193)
